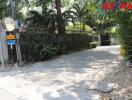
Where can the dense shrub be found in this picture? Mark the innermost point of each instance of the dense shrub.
(125, 33)
(93, 44)
(39, 47)
(79, 28)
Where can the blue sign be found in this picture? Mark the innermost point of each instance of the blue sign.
(11, 42)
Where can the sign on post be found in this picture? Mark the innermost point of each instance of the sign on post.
(10, 37)
(11, 42)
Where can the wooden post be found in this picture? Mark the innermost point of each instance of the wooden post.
(18, 49)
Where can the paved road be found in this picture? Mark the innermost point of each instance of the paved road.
(5, 95)
(63, 78)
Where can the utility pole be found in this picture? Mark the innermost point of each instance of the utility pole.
(18, 50)
(13, 9)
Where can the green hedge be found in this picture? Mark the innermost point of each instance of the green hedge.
(93, 44)
(39, 46)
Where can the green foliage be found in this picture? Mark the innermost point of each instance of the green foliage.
(125, 30)
(46, 52)
(46, 21)
(80, 12)
(67, 3)
(42, 22)
(112, 30)
(123, 20)
(39, 47)
(78, 28)
(93, 44)
(4, 8)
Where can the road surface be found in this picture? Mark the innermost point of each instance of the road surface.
(63, 78)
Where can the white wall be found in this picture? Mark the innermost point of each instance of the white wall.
(4, 45)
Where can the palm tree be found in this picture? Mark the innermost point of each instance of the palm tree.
(47, 20)
(80, 12)
(86, 13)
(43, 22)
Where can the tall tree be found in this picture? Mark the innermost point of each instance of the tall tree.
(60, 22)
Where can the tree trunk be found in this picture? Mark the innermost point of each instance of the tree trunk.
(60, 22)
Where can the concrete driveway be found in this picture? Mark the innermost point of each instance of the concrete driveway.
(63, 78)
